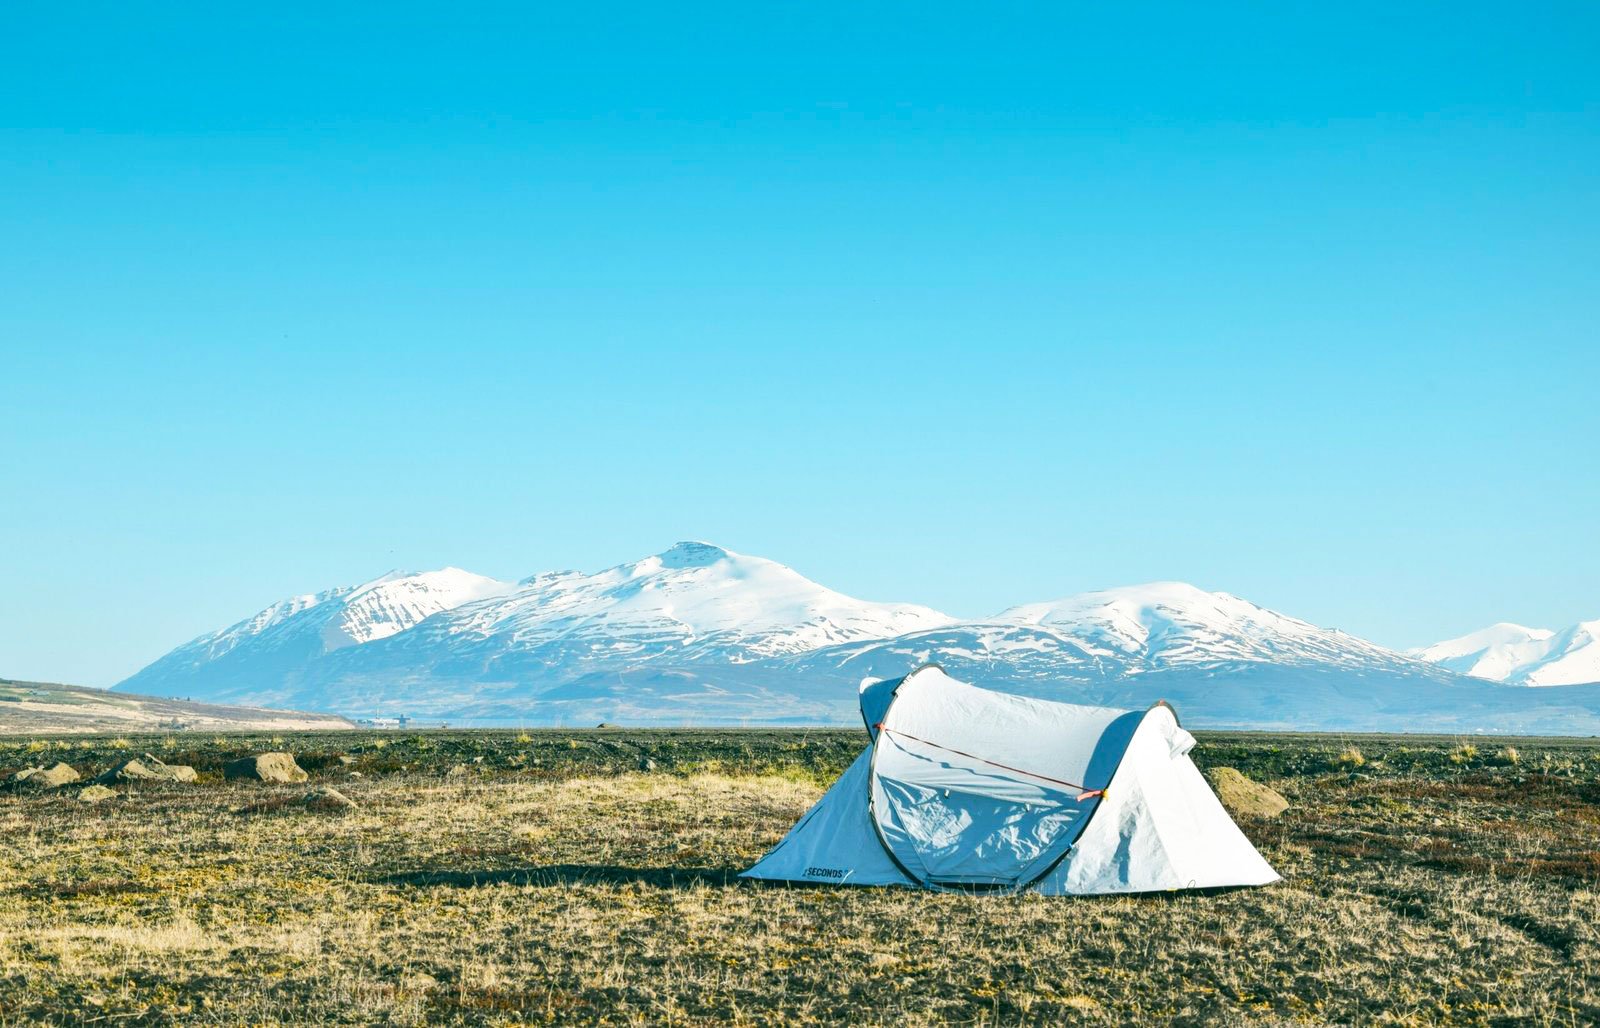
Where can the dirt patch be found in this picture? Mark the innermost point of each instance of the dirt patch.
(1244, 798)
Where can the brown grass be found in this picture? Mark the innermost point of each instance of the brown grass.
(603, 895)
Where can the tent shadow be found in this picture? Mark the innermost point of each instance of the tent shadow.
(572, 874)
(714, 877)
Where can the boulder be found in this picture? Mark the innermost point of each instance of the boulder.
(1244, 798)
(44, 777)
(266, 767)
(328, 800)
(146, 768)
(96, 794)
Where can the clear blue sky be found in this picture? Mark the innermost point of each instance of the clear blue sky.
(967, 304)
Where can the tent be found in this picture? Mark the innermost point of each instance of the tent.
(964, 788)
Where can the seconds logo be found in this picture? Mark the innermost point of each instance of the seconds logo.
(825, 872)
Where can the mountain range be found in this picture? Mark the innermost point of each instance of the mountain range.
(700, 634)
(1523, 656)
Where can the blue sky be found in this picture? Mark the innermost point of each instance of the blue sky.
(966, 305)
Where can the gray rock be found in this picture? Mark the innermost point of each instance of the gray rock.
(96, 794)
(330, 801)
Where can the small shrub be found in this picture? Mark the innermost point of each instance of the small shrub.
(1466, 753)
(1511, 756)
(1351, 756)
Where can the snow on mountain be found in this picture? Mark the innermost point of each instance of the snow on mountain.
(1523, 656)
(1220, 660)
(397, 601)
(1493, 653)
(283, 638)
(693, 600)
(692, 603)
(1172, 624)
(1109, 642)
(700, 634)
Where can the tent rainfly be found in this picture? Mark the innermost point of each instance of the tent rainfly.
(965, 788)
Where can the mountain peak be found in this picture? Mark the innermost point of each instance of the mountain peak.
(1128, 598)
(693, 554)
(1165, 624)
(1517, 655)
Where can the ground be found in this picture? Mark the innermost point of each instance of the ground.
(36, 708)
(561, 876)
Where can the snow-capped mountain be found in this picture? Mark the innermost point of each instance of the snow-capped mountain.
(694, 605)
(291, 634)
(1523, 656)
(699, 634)
(1142, 629)
(399, 636)
(694, 600)
(1221, 659)
(1173, 624)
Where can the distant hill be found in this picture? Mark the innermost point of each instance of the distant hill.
(1517, 655)
(28, 708)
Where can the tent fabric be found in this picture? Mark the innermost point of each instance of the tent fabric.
(835, 841)
(966, 788)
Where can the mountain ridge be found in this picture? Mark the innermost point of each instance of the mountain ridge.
(698, 633)
(1517, 655)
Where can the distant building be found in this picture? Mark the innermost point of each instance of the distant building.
(384, 722)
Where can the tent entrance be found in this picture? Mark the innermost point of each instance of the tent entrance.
(955, 819)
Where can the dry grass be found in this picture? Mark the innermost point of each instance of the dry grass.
(1351, 756)
(571, 888)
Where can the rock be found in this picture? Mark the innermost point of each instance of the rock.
(607, 724)
(96, 794)
(266, 767)
(146, 768)
(1244, 798)
(646, 764)
(329, 800)
(44, 777)
(457, 771)
(346, 759)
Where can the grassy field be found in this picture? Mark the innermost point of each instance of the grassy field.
(564, 876)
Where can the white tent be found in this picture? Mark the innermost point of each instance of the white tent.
(965, 788)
